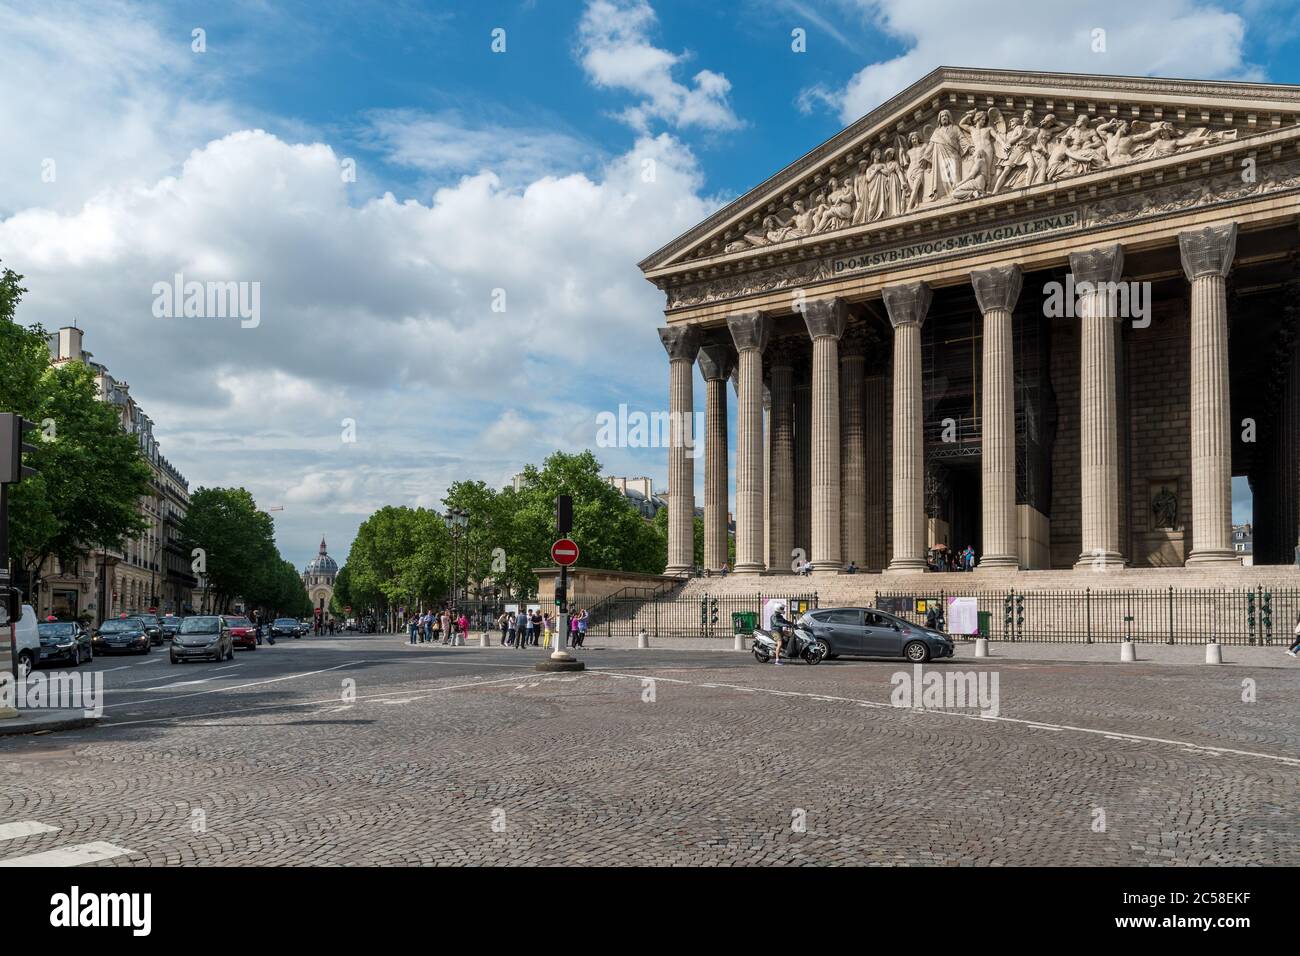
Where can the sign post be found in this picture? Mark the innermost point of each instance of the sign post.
(564, 552)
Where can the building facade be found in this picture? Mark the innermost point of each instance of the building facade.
(152, 571)
(318, 578)
(1049, 316)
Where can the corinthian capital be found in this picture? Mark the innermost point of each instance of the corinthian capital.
(749, 330)
(716, 362)
(1208, 251)
(1095, 266)
(825, 317)
(997, 288)
(907, 304)
(681, 342)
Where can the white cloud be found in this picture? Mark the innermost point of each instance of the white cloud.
(616, 52)
(1156, 37)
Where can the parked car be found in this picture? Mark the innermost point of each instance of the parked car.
(27, 641)
(868, 632)
(285, 627)
(153, 625)
(203, 636)
(243, 632)
(121, 635)
(170, 625)
(64, 642)
(304, 628)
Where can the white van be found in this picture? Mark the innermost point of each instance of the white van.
(27, 641)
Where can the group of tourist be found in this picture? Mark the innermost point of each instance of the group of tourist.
(524, 628)
(945, 559)
(433, 627)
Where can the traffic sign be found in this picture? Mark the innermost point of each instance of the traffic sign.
(564, 552)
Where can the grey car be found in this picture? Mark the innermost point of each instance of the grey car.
(868, 632)
(203, 637)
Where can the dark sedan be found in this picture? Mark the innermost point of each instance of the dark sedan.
(285, 627)
(122, 635)
(868, 632)
(170, 625)
(64, 642)
(154, 626)
(243, 632)
(204, 636)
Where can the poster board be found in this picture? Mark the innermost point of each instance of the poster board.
(963, 615)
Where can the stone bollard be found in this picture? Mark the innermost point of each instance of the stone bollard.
(642, 639)
(1127, 652)
(1213, 653)
(484, 640)
(981, 647)
(740, 642)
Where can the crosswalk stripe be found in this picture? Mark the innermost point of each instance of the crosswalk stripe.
(70, 855)
(22, 828)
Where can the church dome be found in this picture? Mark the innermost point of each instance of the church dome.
(322, 563)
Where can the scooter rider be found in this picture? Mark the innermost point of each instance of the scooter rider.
(780, 625)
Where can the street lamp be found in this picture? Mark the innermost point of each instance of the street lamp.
(457, 522)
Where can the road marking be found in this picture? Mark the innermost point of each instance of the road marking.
(71, 855)
(222, 690)
(1107, 734)
(12, 831)
(227, 667)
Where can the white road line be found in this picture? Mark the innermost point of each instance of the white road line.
(477, 682)
(1107, 734)
(70, 855)
(228, 667)
(12, 831)
(172, 686)
(222, 690)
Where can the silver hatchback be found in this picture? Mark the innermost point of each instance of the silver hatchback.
(203, 637)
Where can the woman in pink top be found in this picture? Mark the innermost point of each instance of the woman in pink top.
(462, 622)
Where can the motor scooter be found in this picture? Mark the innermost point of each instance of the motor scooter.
(797, 645)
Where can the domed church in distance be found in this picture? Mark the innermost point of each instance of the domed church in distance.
(318, 578)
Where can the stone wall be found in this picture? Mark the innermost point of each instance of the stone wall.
(1067, 529)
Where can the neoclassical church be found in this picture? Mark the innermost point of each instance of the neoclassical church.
(1048, 315)
(318, 578)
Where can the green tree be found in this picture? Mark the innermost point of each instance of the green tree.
(237, 542)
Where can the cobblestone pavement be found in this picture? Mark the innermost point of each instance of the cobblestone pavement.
(457, 756)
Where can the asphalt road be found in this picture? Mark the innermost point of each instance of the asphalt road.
(365, 750)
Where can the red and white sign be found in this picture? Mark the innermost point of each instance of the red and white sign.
(564, 552)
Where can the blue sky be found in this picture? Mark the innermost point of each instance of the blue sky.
(476, 172)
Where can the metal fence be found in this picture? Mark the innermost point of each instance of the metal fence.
(1260, 616)
(708, 615)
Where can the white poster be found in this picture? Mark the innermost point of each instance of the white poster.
(963, 615)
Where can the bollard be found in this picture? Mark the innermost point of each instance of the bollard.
(643, 639)
(1213, 653)
(740, 642)
(1127, 652)
(483, 640)
(981, 647)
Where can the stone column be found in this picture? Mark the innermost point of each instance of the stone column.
(825, 320)
(682, 343)
(996, 291)
(750, 332)
(781, 541)
(716, 362)
(767, 471)
(1207, 257)
(907, 306)
(1094, 271)
(853, 460)
(803, 462)
(876, 427)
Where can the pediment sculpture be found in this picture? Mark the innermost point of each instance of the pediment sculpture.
(980, 154)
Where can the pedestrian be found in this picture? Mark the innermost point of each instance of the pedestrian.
(446, 625)
(503, 622)
(573, 630)
(533, 620)
(521, 628)
(583, 619)
(1295, 645)
(412, 626)
(462, 623)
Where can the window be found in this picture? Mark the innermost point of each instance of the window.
(843, 616)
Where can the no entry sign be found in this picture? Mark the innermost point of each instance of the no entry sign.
(564, 552)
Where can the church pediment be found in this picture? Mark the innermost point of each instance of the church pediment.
(960, 136)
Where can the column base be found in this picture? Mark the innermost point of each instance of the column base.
(999, 562)
(748, 569)
(678, 570)
(827, 567)
(1099, 561)
(906, 566)
(1219, 556)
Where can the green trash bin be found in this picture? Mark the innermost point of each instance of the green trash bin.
(985, 622)
(744, 622)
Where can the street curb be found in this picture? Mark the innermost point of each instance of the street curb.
(29, 722)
